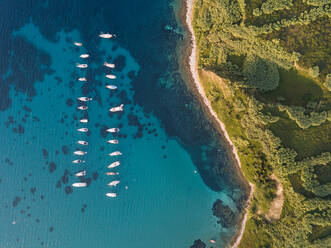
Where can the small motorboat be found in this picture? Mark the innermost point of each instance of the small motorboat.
(80, 153)
(112, 141)
(78, 44)
(111, 87)
(83, 129)
(114, 164)
(82, 142)
(212, 241)
(82, 79)
(109, 65)
(112, 173)
(83, 120)
(117, 153)
(113, 183)
(82, 107)
(78, 161)
(81, 173)
(82, 66)
(110, 76)
(106, 35)
(79, 185)
(117, 109)
(113, 130)
(84, 56)
(85, 99)
(111, 194)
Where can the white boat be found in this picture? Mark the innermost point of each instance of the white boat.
(82, 107)
(81, 65)
(82, 142)
(110, 76)
(111, 87)
(81, 173)
(84, 99)
(111, 194)
(114, 164)
(83, 129)
(83, 120)
(112, 173)
(80, 153)
(78, 44)
(109, 65)
(113, 130)
(78, 161)
(112, 141)
(82, 79)
(113, 183)
(84, 56)
(79, 185)
(106, 35)
(117, 153)
(117, 108)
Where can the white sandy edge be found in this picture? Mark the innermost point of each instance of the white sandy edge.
(195, 76)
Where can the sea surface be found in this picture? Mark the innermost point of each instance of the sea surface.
(173, 166)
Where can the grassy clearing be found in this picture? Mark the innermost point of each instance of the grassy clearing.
(306, 142)
(295, 89)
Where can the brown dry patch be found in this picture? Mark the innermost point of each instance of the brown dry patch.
(211, 76)
(277, 204)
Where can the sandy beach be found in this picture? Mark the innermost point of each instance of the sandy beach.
(192, 64)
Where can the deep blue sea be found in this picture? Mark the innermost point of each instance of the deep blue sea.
(173, 166)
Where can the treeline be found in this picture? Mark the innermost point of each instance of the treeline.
(249, 61)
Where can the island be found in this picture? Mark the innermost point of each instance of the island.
(264, 69)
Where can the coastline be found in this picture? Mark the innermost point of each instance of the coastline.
(190, 62)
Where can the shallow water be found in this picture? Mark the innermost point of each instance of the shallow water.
(173, 166)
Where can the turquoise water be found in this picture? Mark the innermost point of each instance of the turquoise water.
(171, 173)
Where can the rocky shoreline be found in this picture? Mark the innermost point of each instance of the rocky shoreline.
(190, 64)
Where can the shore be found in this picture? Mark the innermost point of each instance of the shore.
(191, 64)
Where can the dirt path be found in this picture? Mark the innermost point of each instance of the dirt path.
(277, 204)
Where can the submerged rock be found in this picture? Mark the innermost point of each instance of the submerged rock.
(224, 214)
(198, 244)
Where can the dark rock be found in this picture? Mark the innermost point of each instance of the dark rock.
(224, 214)
(16, 201)
(52, 167)
(198, 244)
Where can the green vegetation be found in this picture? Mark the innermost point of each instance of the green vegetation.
(265, 66)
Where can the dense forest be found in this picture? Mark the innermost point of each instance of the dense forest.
(265, 66)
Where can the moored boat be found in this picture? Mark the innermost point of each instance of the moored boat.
(84, 56)
(82, 107)
(113, 183)
(82, 66)
(81, 173)
(111, 194)
(112, 141)
(84, 98)
(78, 161)
(114, 164)
(83, 120)
(83, 129)
(110, 76)
(116, 153)
(82, 142)
(109, 65)
(80, 153)
(117, 108)
(113, 130)
(78, 44)
(111, 87)
(79, 185)
(106, 35)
